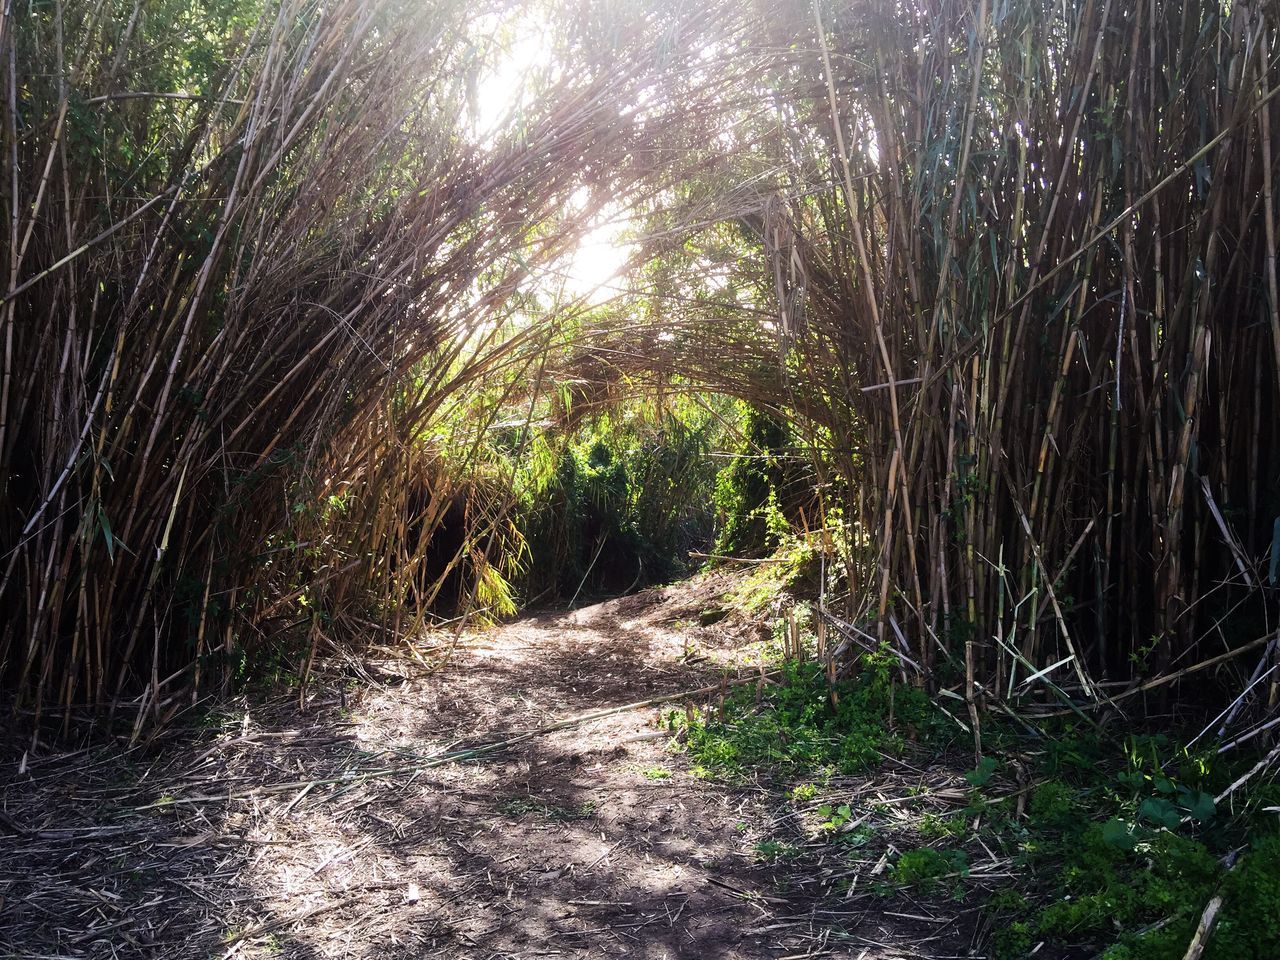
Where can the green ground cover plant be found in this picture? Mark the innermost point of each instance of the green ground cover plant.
(1121, 841)
(804, 725)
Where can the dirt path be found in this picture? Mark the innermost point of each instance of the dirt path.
(593, 841)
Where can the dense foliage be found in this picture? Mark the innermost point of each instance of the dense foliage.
(619, 505)
(267, 284)
(751, 490)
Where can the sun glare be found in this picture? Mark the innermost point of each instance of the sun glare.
(595, 264)
(522, 47)
(522, 51)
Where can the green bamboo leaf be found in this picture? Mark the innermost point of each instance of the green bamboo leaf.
(105, 523)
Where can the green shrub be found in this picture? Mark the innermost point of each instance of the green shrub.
(616, 504)
(1012, 941)
(754, 494)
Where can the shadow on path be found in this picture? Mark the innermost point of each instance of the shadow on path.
(231, 841)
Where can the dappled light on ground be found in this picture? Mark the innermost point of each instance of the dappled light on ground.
(318, 833)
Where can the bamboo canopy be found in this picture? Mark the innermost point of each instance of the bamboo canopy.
(1020, 264)
(231, 312)
(1010, 267)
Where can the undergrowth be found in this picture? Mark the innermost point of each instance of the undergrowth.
(751, 494)
(1121, 841)
(793, 568)
(801, 724)
(1136, 848)
(617, 502)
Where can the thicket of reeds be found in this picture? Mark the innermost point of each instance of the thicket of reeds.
(1019, 264)
(1010, 269)
(255, 255)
